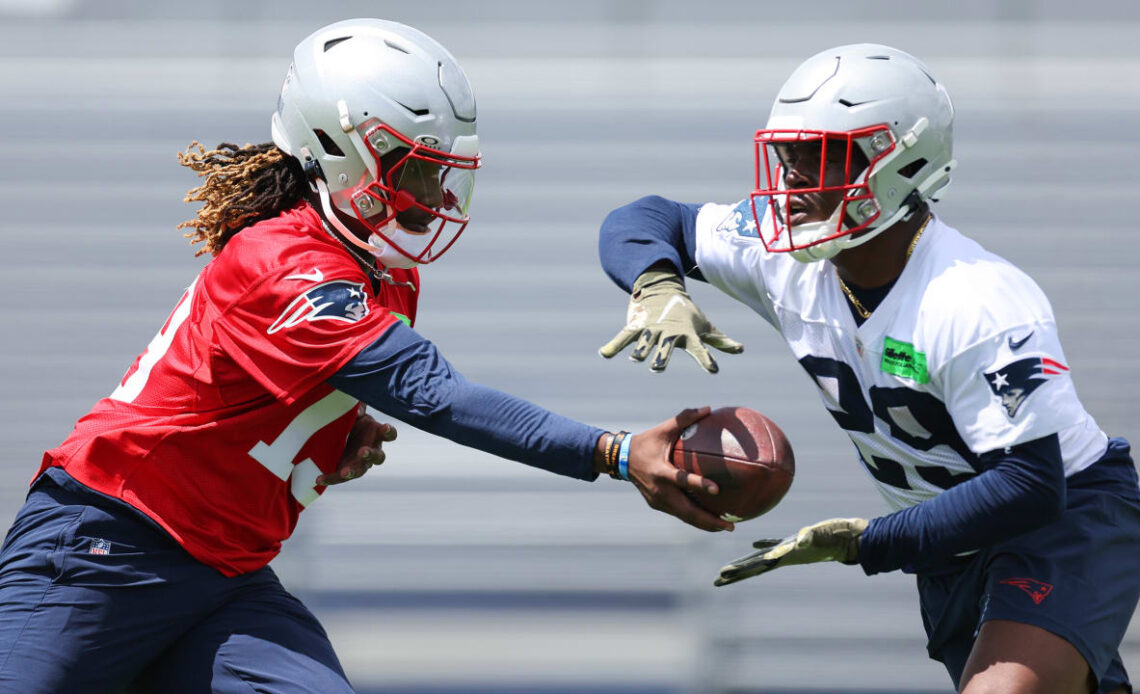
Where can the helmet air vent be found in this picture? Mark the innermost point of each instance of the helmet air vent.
(397, 47)
(415, 111)
(332, 42)
(327, 143)
(878, 57)
(908, 172)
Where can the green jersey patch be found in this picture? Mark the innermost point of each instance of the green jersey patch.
(902, 359)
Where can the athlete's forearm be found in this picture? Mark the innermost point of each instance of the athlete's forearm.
(1019, 491)
(648, 232)
(404, 376)
(513, 428)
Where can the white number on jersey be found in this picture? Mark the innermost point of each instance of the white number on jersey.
(132, 385)
(915, 418)
(278, 456)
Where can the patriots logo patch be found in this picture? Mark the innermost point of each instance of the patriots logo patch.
(1036, 590)
(336, 300)
(1014, 382)
(740, 221)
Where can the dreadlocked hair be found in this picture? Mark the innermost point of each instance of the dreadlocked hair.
(242, 185)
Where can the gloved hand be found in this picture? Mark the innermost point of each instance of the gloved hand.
(662, 314)
(830, 540)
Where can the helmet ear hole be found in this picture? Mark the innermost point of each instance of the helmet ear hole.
(327, 143)
(910, 170)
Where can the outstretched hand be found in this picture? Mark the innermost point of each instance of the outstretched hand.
(662, 316)
(666, 487)
(363, 449)
(830, 540)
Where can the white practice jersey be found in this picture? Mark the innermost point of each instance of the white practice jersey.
(962, 357)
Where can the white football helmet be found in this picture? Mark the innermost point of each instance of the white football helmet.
(359, 90)
(883, 108)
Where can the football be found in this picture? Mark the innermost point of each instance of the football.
(747, 456)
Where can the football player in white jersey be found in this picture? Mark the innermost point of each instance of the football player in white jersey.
(942, 361)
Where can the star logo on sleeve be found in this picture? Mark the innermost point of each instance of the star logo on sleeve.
(1016, 381)
(731, 223)
(740, 221)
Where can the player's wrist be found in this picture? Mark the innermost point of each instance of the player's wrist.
(608, 454)
(852, 530)
(659, 277)
(600, 447)
(852, 557)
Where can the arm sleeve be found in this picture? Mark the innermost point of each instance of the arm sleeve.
(403, 375)
(1020, 489)
(646, 232)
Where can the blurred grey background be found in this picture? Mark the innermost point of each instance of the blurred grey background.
(448, 571)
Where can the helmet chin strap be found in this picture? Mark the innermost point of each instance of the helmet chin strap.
(832, 248)
(385, 254)
(814, 230)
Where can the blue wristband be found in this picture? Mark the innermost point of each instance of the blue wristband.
(623, 457)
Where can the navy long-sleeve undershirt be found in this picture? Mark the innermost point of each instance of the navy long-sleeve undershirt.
(404, 376)
(644, 233)
(1019, 489)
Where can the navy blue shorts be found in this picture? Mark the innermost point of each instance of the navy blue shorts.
(1078, 577)
(94, 597)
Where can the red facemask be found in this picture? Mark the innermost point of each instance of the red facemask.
(815, 184)
(418, 206)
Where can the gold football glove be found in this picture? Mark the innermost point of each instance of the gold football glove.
(662, 314)
(830, 540)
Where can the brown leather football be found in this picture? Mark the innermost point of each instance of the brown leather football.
(747, 456)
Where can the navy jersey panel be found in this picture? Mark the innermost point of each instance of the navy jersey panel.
(404, 375)
(91, 594)
(645, 232)
(1078, 577)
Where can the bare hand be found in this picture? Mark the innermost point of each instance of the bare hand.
(362, 451)
(663, 485)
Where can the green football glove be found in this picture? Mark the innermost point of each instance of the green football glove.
(830, 540)
(662, 314)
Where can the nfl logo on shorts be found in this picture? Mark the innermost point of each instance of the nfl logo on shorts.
(99, 547)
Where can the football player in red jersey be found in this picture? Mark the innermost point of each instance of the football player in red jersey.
(141, 554)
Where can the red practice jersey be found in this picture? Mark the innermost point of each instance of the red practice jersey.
(220, 428)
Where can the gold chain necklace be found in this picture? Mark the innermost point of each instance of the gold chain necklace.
(858, 305)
